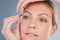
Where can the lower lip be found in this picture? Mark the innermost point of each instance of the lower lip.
(30, 34)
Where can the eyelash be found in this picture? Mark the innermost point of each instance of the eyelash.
(40, 20)
(25, 17)
(43, 20)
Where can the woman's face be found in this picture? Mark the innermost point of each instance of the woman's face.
(36, 22)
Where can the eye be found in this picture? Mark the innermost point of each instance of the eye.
(25, 17)
(42, 20)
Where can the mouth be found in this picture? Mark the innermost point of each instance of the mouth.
(31, 34)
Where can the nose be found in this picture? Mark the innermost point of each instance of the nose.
(32, 26)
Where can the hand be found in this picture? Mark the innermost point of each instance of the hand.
(11, 34)
(23, 3)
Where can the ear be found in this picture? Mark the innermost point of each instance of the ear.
(53, 30)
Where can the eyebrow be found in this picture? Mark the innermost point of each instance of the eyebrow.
(38, 15)
(43, 14)
(27, 12)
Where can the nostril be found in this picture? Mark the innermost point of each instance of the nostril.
(31, 27)
(34, 27)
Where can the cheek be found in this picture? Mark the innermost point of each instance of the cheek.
(43, 32)
(24, 25)
(43, 28)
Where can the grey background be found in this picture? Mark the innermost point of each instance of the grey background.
(8, 8)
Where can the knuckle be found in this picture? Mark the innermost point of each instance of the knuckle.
(3, 32)
(5, 19)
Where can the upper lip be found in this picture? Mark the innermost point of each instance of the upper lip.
(32, 34)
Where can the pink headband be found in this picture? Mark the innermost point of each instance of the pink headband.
(22, 4)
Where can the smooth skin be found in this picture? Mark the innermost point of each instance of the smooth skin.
(14, 34)
(37, 22)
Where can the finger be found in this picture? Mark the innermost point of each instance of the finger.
(7, 24)
(17, 23)
(17, 31)
(19, 4)
(9, 21)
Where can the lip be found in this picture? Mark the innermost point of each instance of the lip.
(33, 34)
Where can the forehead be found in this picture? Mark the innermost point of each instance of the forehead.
(38, 8)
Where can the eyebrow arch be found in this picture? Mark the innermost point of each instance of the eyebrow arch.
(38, 15)
(31, 14)
(27, 12)
(43, 14)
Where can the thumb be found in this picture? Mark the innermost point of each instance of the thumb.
(17, 31)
